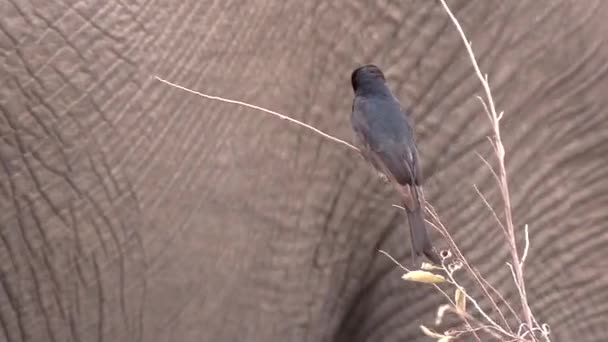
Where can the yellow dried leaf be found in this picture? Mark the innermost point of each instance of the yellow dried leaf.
(424, 277)
(430, 333)
(460, 299)
(430, 267)
(445, 339)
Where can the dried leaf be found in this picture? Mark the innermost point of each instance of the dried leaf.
(445, 339)
(460, 299)
(424, 277)
(430, 267)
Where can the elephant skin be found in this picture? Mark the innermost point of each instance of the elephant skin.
(132, 211)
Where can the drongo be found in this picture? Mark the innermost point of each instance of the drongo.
(384, 134)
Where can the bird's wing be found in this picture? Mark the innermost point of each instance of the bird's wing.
(360, 127)
(392, 152)
(401, 159)
(361, 134)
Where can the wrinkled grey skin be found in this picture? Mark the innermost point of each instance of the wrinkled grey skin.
(131, 211)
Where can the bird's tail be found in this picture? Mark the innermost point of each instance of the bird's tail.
(421, 243)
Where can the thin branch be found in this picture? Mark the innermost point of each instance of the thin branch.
(485, 107)
(394, 260)
(488, 165)
(526, 247)
(461, 257)
(487, 283)
(485, 201)
(500, 153)
(262, 109)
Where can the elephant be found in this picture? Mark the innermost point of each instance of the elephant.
(134, 211)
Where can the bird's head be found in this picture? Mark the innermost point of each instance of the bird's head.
(366, 75)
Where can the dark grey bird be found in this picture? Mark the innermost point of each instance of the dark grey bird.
(383, 133)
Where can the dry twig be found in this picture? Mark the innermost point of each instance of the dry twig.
(262, 109)
(499, 150)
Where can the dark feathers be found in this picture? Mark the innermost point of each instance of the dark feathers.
(386, 139)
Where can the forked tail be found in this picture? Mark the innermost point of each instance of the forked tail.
(421, 243)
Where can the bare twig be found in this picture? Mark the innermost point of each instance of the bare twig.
(488, 164)
(248, 105)
(502, 298)
(526, 247)
(394, 260)
(503, 184)
(485, 201)
(478, 279)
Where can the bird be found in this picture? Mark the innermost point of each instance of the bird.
(384, 135)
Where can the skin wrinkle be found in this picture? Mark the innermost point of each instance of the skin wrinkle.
(187, 150)
(42, 193)
(3, 323)
(51, 27)
(270, 221)
(121, 274)
(351, 267)
(438, 163)
(100, 299)
(69, 107)
(334, 259)
(466, 96)
(8, 34)
(157, 145)
(318, 66)
(327, 220)
(99, 82)
(418, 101)
(345, 330)
(540, 175)
(75, 335)
(558, 167)
(164, 59)
(333, 308)
(187, 180)
(100, 178)
(24, 156)
(408, 44)
(120, 258)
(14, 306)
(11, 253)
(324, 65)
(323, 256)
(56, 287)
(46, 246)
(30, 171)
(464, 75)
(98, 174)
(41, 305)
